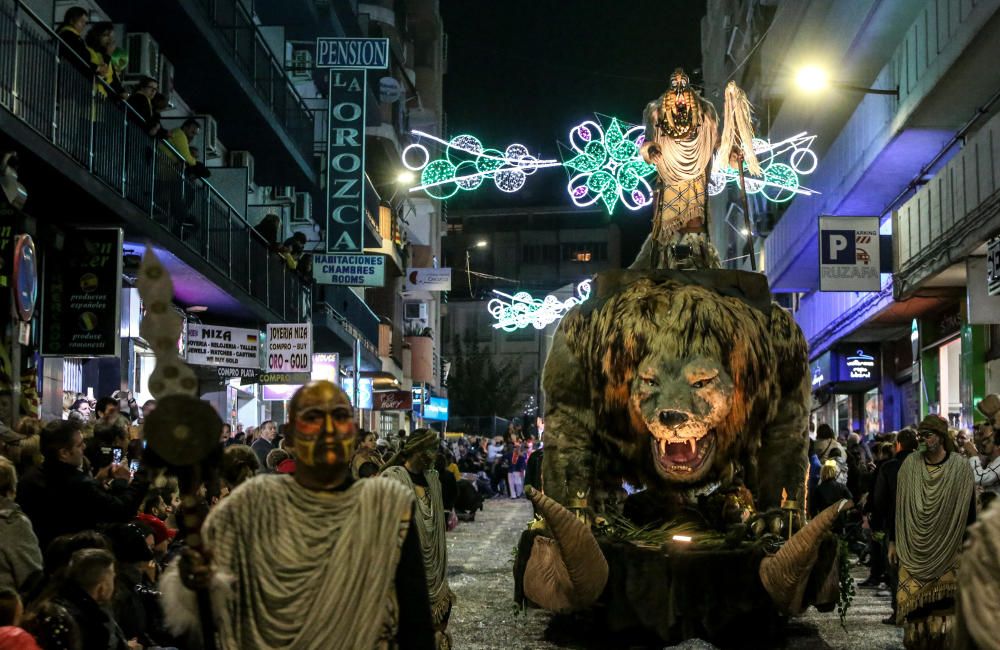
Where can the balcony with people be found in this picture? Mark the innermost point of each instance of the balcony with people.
(97, 158)
(237, 69)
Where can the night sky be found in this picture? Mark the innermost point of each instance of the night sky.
(528, 70)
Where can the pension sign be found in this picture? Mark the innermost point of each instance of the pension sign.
(347, 60)
(358, 53)
(350, 270)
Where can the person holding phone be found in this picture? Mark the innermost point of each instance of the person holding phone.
(84, 502)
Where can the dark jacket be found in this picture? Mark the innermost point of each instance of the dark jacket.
(98, 629)
(869, 487)
(59, 499)
(136, 605)
(884, 508)
(75, 50)
(533, 472)
(144, 113)
(262, 448)
(828, 493)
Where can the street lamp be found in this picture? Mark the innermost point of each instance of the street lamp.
(406, 177)
(812, 78)
(481, 243)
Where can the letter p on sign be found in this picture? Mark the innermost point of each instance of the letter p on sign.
(838, 247)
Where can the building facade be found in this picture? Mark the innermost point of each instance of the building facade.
(920, 159)
(242, 70)
(541, 251)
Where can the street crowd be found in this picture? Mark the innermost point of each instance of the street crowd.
(87, 535)
(910, 517)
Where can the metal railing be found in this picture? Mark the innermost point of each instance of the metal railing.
(353, 314)
(248, 47)
(49, 88)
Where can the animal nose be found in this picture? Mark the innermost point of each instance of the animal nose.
(673, 418)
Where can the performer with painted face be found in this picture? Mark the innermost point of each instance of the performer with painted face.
(413, 467)
(682, 136)
(315, 560)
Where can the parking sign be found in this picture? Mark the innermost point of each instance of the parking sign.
(849, 254)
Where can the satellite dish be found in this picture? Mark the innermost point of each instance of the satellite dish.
(389, 90)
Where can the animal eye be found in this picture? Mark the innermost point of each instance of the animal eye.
(649, 381)
(701, 383)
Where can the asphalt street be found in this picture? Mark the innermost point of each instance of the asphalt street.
(480, 569)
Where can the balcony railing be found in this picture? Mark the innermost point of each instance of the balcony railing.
(45, 86)
(254, 57)
(353, 314)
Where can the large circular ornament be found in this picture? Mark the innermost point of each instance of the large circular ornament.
(436, 172)
(183, 430)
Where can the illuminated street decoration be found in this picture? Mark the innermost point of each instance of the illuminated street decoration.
(603, 163)
(466, 164)
(606, 166)
(781, 179)
(513, 312)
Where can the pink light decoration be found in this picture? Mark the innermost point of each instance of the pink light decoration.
(584, 133)
(580, 191)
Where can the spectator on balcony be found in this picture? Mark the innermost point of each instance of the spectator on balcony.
(141, 101)
(100, 46)
(269, 227)
(71, 32)
(291, 249)
(180, 139)
(304, 268)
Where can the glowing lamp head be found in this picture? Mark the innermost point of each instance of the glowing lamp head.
(812, 78)
(406, 178)
(482, 243)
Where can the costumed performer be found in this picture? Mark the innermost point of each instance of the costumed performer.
(313, 561)
(682, 136)
(935, 502)
(412, 466)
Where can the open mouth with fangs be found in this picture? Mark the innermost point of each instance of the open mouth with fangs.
(682, 457)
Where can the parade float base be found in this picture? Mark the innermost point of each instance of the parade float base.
(678, 592)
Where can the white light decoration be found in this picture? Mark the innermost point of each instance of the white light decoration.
(781, 179)
(513, 312)
(421, 151)
(466, 164)
(604, 164)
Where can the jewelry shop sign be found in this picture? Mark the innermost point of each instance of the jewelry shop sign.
(231, 347)
(849, 254)
(351, 270)
(288, 348)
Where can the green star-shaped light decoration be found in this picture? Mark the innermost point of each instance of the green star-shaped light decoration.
(607, 167)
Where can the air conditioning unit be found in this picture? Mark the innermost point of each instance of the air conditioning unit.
(415, 311)
(302, 213)
(143, 56)
(210, 131)
(243, 159)
(283, 193)
(166, 78)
